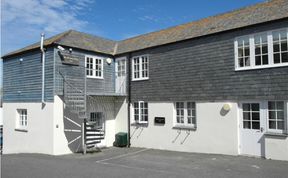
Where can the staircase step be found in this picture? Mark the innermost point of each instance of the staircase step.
(93, 142)
(94, 134)
(94, 138)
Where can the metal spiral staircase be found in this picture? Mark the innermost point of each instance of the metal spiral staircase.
(75, 99)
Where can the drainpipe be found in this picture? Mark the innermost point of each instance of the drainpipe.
(129, 96)
(43, 66)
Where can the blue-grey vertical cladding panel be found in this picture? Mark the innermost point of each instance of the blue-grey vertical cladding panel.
(22, 81)
(203, 69)
(105, 86)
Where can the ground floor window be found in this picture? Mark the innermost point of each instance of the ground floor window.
(97, 118)
(276, 115)
(185, 114)
(21, 119)
(140, 112)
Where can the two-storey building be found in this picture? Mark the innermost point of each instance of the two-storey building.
(217, 85)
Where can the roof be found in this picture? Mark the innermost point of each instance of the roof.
(256, 14)
(74, 39)
(251, 15)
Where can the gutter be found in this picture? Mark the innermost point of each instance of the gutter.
(43, 67)
(129, 97)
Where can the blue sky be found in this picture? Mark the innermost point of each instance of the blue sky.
(23, 20)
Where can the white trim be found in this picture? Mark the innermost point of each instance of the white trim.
(140, 68)
(94, 58)
(20, 116)
(139, 112)
(184, 125)
(285, 118)
(252, 51)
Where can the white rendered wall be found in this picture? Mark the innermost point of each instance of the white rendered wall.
(39, 135)
(1, 116)
(276, 147)
(214, 134)
(121, 115)
(60, 144)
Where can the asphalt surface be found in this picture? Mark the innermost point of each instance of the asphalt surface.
(139, 163)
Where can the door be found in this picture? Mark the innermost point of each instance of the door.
(120, 75)
(252, 124)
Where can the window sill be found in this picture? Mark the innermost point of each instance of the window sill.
(184, 127)
(95, 77)
(261, 67)
(276, 134)
(21, 130)
(142, 124)
(139, 79)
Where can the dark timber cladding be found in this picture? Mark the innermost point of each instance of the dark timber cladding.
(203, 69)
(22, 81)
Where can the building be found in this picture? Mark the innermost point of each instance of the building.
(217, 85)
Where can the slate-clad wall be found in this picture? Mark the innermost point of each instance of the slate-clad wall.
(203, 70)
(22, 82)
(105, 86)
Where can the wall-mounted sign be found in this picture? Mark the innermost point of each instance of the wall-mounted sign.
(68, 58)
(159, 120)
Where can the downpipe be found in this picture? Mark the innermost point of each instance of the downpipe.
(43, 69)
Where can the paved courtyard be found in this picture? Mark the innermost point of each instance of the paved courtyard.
(139, 163)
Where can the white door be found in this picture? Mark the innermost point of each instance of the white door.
(252, 124)
(120, 75)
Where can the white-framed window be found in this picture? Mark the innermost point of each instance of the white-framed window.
(94, 66)
(276, 116)
(262, 50)
(97, 118)
(140, 112)
(185, 114)
(251, 116)
(21, 119)
(140, 68)
(121, 67)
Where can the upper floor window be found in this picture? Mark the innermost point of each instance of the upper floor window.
(268, 49)
(140, 112)
(21, 119)
(94, 67)
(185, 114)
(140, 68)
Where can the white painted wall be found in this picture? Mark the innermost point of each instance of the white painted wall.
(215, 133)
(121, 115)
(276, 147)
(60, 142)
(38, 138)
(1, 116)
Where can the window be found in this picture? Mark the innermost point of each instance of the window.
(263, 50)
(251, 116)
(280, 51)
(141, 112)
(140, 68)
(94, 67)
(21, 120)
(185, 114)
(243, 52)
(121, 68)
(97, 118)
(276, 115)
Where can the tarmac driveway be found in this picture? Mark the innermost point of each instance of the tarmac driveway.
(139, 163)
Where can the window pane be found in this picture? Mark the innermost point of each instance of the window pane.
(280, 105)
(246, 116)
(265, 59)
(255, 125)
(255, 116)
(255, 107)
(258, 60)
(246, 124)
(272, 125)
(284, 46)
(272, 115)
(280, 125)
(276, 47)
(285, 57)
(246, 107)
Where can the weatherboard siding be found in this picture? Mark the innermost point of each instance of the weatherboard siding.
(203, 69)
(22, 82)
(105, 86)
